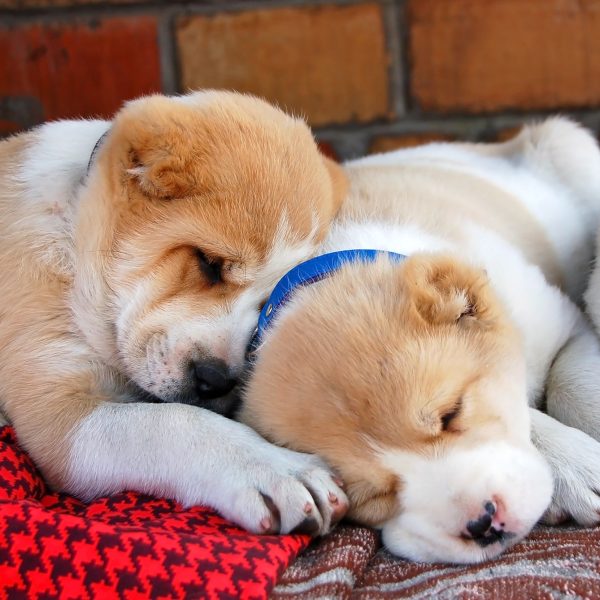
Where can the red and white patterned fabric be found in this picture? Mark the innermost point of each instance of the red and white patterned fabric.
(123, 546)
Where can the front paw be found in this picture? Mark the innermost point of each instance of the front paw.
(576, 472)
(285, 492)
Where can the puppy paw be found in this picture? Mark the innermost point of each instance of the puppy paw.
(576, 471)
(281, 491)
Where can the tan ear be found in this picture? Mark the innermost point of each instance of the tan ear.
(158, 174)
(339, 182)
(153, 147)
(446, 290)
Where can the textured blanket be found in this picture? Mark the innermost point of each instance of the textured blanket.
(124, 546)
(551, 563)
(135, 546)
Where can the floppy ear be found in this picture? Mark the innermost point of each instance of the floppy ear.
(369, 505)
(158, 169)
(446, 290)
(153, 146)
(339, 182)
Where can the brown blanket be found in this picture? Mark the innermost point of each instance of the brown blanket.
(559, 562)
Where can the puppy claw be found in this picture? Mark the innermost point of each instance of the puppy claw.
(282, 491)
(338, 482)
(266, 524)
(339, 511)
(309, 526)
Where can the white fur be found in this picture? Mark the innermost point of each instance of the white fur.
(574, 458)
(554, 170)
(592, 294)
(50, 175)
(404, 239)
(441, 494)
(57, 162)
(198, 457)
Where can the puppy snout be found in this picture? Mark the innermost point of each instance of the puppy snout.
(479, 527)
(487, 528)
(212, 379)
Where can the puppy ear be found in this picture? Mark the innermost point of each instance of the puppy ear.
(446, 290)
(370, 505)
(339, 182)
(159, 172)
(153, 147)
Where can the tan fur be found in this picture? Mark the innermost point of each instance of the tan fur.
(169, 177)
(410, 344)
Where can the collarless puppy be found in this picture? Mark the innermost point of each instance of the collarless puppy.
(134, 256)
(419, 380)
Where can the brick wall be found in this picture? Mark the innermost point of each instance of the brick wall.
(368, 75)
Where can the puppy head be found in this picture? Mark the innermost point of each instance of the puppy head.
(192, 210)
(409, 380)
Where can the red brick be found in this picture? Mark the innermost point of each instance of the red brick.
(24, 4)
(63, 70)
(328, 63)
(386, 143)
(8, 126)
(480, 56)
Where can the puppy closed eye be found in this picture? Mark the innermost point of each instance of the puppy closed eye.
(210, 268)
(448, 418)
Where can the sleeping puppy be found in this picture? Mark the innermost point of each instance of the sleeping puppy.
(134, 257)
(418, 375)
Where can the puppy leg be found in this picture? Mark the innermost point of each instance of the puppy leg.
(573, 384)
(88, 445)
(198, 457)
(568, 436)
(574, 458)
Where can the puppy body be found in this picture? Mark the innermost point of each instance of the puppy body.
(134, 256)
(414, 379)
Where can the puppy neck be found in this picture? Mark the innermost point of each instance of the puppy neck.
(306, 273)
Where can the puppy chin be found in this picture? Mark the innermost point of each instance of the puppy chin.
(430, 545)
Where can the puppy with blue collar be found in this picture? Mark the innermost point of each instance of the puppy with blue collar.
(417, 354)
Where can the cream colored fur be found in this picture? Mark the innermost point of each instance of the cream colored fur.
(414, 379)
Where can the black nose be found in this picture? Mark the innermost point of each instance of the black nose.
(212, 379)
(481, 530)
(480, 527)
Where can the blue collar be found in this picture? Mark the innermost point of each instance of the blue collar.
(305, 273)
